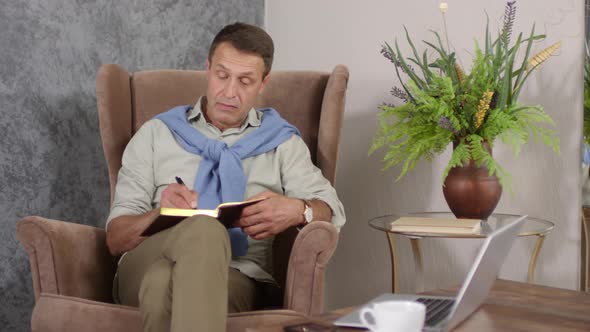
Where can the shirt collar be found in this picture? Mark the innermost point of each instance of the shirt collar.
(196, 114)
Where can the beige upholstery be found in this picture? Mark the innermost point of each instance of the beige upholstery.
(71, 268)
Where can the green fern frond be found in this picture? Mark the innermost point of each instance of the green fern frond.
(459, 157)
(515, 139)
(482, 158)
(532, 119)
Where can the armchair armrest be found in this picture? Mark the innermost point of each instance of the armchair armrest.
(314, 246)
(67, 258)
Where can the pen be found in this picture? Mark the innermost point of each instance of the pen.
(179, 180)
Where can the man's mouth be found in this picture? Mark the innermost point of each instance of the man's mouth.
(225, 106)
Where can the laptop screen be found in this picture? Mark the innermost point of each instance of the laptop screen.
(484, 271)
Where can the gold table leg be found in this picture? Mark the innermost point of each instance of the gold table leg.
(533, 262)
(418, 267)
(584, 254)
(394, 271)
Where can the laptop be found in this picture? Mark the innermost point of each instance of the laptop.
(443, 313)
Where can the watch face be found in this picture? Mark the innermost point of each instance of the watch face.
(308, 213)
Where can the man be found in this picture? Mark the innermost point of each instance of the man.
(188, 277)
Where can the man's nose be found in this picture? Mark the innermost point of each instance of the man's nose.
(230, 88)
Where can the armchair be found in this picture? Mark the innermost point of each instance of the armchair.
(71, 267)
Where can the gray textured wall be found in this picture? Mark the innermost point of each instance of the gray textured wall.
(51, 161)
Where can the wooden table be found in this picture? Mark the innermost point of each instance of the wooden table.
(511, 306)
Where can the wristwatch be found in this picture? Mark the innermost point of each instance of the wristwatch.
(307, 212)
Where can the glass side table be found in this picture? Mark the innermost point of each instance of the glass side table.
(531, 227)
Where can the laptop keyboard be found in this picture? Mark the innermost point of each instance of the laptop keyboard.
(436, 309)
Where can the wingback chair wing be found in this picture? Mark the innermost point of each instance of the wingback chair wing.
(71, 267)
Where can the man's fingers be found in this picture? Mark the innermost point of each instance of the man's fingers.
(250, 220)
(179, 202)
(254, 209)
(179, 196)
(260, 206)
(256, 229)
(190, 197)
(173, 202)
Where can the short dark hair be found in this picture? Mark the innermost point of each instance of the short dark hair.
(246, 38)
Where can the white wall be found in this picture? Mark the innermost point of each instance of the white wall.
(320, 34)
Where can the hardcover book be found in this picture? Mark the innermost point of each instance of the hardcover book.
(437, 225)
(226, 213)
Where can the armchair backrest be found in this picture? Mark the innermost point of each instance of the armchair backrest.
(312, 101)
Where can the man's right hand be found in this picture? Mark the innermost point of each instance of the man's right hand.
(124, 232)
(179, 196)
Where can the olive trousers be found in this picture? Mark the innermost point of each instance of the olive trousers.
(181, 280)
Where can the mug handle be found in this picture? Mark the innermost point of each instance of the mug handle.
(368, 311)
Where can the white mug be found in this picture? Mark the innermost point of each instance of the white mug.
(407, 316)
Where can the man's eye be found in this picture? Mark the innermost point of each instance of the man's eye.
(245, 81)
(222, 75)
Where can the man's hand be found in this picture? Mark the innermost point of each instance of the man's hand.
(124, 232)
(179, 196)
(271, 216)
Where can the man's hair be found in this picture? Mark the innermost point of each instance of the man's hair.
(246, 38)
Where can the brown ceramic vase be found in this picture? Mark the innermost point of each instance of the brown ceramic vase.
(471, 192)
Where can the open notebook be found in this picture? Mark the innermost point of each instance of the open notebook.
(226, 213)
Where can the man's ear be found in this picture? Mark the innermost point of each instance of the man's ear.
(264, 81)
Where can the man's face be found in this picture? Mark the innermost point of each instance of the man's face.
(234, 81)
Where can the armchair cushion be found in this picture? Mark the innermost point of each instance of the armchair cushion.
(66, 313)
(58, 313)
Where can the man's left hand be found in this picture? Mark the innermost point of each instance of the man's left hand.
(271, 216)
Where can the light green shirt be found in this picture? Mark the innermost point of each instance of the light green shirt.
(153, 158)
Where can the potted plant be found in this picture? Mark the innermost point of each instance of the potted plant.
(445, 105)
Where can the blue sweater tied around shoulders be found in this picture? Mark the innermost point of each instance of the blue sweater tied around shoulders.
(220, 176)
